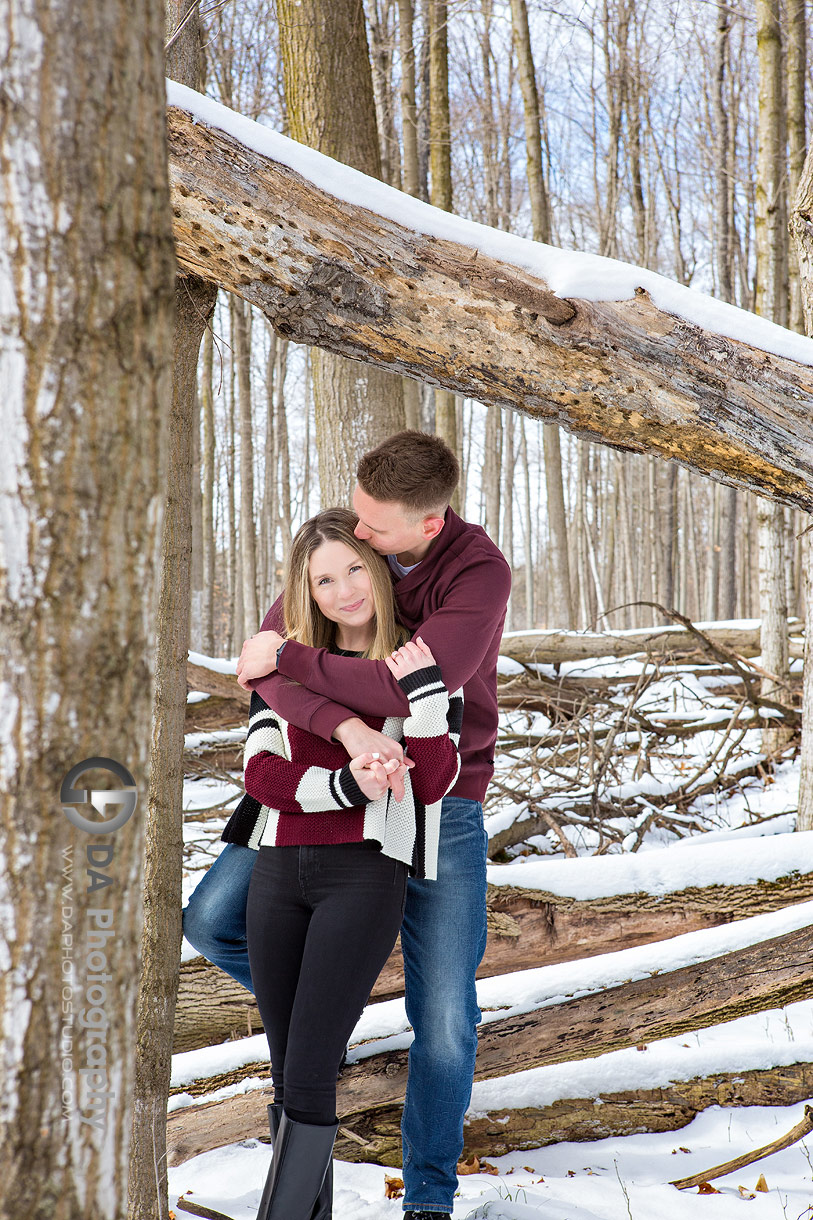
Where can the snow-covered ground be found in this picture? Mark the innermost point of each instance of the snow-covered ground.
(749, 837)
(611, 1179)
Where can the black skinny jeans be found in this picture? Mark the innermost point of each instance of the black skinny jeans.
(321, 923)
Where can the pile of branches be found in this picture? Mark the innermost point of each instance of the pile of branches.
(569, 747)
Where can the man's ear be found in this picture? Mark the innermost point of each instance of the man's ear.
(431, 527)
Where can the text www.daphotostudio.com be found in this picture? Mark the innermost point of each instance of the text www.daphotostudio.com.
(85, 981)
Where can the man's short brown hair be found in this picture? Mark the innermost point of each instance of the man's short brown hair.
(415, 469)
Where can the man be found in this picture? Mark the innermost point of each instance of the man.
(452, 584)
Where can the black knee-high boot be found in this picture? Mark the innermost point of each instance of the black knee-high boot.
(323, 1208)
(294, 1188)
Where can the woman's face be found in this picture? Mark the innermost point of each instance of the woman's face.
(340, 584)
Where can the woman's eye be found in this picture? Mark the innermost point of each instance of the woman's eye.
(357, 567)
(323, 580)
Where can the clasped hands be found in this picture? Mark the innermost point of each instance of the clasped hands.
(377, 761)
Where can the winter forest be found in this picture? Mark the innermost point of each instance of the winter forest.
(242, 243)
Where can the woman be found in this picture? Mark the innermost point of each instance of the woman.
(335, 847)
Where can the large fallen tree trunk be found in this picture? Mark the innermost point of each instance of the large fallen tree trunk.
(527, 928)
(376, 1134)
(338, 276)
(771, 974)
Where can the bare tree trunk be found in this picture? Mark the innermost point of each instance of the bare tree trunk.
(248, 553)
(382, 40)
(559, 572)
(725, 538)
(805, 818)
(86, 305)
(411, 167)
(281, 422)
(508, 476)
(163, 857)
(440, 171)
(530, 599)
(196, 571)
(802, 230)
(330, 105)
(409, 110)
(772, 302)
(797, 138)
(208, 498)
(234, 595)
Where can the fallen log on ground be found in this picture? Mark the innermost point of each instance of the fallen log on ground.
(767, 975)
(335, 274)
(375, 1134)
(554, 647)
(526, 928)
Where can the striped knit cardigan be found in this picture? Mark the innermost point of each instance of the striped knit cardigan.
(296, 792)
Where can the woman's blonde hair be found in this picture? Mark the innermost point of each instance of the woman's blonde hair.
(304, 621)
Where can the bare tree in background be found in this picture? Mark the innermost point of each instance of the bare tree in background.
(330, 105)
(772, 302)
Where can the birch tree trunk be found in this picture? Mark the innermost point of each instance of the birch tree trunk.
(330, 103)
(771, 302)
(801, 226)
(723, 574)
(440, 172)
(797, 138)
(86, 278)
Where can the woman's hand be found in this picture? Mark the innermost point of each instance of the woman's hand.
(258, 657)
(411, 656)
(375, 775)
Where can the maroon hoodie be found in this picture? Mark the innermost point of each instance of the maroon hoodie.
(455, 599)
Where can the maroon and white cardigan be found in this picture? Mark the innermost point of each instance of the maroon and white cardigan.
(300, 789)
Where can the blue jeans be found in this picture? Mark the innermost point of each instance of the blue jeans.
(214, 920)
(443, 937)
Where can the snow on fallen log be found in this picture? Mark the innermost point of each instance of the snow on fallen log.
(765, 1059)
(698, 864)
(546, 911)
(612, 352)
(553, 647)
(590, 1007)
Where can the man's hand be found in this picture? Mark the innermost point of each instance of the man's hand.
(358, 738)
(373, 776)
(258, 657)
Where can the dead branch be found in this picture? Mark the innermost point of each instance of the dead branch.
(796, 1133)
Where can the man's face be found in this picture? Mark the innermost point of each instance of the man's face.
(385, 525)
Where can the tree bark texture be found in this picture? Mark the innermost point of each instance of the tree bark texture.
(771, 213)
(86, 307)
(376, 1134)
(526, 928)
(331, 107)
(163, 854)
(767, 975)
(623, 373)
